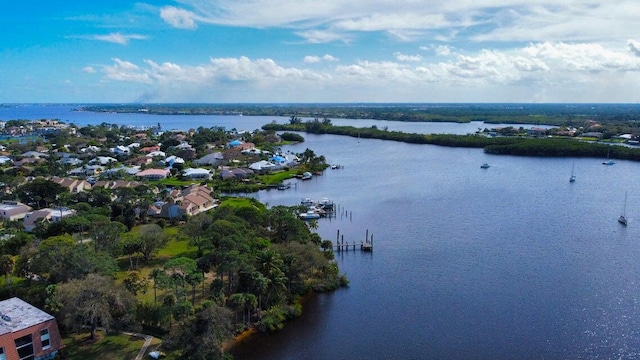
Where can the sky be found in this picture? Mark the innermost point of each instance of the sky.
(320, 51)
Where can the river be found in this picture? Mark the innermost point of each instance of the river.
(510, 262)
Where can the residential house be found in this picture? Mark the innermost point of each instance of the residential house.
(149, 149)
(27, 332)
(237, 173)
(13, 210)
(190, 201)
(87, 170)
(213, 159)
(129, 170)
(115, 184)
(73, 185)
(183, 146)
(32, 219)
(197, 173)
(173, 160)
(103, 160)
(27, 161)
(120, 150)
(153, 174)
(264, 166)
(158, 153)
(139, 161)
(33, 154)
(5, 159)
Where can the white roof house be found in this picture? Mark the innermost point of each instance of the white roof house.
(263, 165)
(120, 150)
(103, 160)
(197, 173)
(162, 154)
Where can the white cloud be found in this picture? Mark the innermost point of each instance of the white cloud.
(119, 38)
(328, 57)
(313, 59)
(480, 20)
(310, 59)
(179, 18)
(536, 71)
(409, 58)
(126, 71)
(89, 69)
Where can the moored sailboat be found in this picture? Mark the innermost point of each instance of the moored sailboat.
(572, 178)
(623, 219)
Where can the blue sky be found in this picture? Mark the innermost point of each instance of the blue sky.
(258, 51)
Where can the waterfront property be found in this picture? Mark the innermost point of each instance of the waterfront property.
(27, 332)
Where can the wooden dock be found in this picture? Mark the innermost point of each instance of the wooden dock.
(366, 245)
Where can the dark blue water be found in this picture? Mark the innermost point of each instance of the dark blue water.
(511, 262)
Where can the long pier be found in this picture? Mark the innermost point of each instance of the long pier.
(366, 245)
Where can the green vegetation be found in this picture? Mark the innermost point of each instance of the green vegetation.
(517, 143)
(549, 114)
(108, 347)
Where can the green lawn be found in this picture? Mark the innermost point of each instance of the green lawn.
(105, 347)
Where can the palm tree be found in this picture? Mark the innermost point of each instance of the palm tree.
(156, 274)
(6, 266)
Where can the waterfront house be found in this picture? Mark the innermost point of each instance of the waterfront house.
(237, 173)
(263, 166)
(27, 332)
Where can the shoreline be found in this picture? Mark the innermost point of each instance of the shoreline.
(252, 333)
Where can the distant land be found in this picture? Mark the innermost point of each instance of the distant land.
(505, 113)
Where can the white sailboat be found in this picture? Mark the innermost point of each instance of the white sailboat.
(609, 161)
(622, 219)
(572, 178)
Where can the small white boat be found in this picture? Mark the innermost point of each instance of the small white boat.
(484, 166)
(307, 202)
(326, 204)
(306, 175)
(309, 215)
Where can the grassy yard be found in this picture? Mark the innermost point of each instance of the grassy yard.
(104, 347)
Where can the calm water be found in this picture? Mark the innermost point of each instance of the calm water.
(511, 262)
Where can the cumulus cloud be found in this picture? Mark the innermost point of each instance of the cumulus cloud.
(178, 18)
(405, 57)
(565, 67)
(311, 59)
(119, 38)
(89, 69)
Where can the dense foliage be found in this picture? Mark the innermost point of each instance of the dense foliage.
(503, 145)
(549, 114)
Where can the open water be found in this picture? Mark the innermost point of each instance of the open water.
(510, 262)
